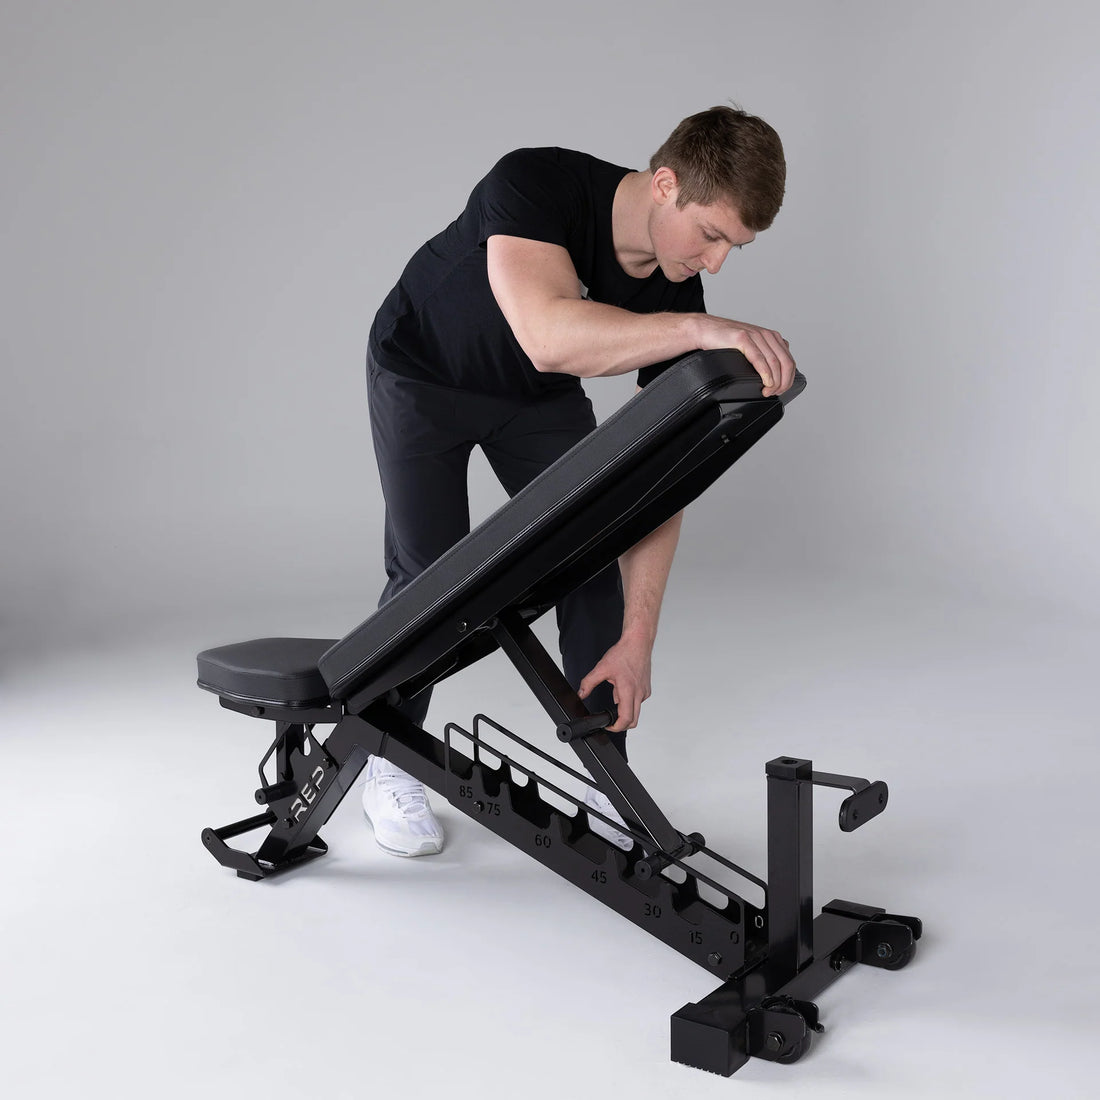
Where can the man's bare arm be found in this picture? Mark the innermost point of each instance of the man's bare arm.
(627, 664)
(537, 288)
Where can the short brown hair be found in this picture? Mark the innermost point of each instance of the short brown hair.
(725, 154)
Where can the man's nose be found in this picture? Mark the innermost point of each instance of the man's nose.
(715, 257)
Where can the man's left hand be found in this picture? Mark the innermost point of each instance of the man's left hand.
(626, 667)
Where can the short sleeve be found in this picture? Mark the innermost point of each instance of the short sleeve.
(689, 301)
(529, 194)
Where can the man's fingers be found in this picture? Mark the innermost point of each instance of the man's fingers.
(596, 677)
(617, 726)
(785, 364)
(767, 351)
(751, 349)
(628, 712)
(593, 679)
(766, 362)
(629, 688)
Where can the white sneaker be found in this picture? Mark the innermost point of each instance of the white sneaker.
(398, 810)
(601, 803)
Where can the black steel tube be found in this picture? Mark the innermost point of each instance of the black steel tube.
(276, 791)
(582, 727)
(227, 832)
(790, 864)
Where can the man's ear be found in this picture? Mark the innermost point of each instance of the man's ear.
(664, 186)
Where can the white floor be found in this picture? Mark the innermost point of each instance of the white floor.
(134, 966)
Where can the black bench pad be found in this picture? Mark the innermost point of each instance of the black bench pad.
(275, 671)
(441, 608)
(658, 452)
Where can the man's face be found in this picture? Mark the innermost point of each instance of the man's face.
(694, 238)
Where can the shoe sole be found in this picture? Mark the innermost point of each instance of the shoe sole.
(429, 848)
(600, 829)
(624, 845)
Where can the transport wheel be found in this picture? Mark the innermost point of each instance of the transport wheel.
(888, 944)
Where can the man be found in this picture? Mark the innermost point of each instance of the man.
(561, 267)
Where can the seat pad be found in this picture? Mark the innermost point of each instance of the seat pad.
(272, 671)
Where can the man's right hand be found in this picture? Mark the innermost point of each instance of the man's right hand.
(765, 349)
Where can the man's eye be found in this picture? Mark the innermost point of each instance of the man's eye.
(708, 237)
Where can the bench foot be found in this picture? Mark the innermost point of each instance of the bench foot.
(758, 1014)
(246, 864)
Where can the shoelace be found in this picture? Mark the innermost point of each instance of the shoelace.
(398, 788)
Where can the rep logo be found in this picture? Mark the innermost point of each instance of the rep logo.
(308, 794)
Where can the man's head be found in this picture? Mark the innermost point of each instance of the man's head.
(713, 185)
(727, 156)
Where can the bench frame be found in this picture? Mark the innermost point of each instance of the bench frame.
(772, 958)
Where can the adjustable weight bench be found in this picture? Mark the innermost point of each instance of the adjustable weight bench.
(640, 467)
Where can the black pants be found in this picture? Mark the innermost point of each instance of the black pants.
(423, 436)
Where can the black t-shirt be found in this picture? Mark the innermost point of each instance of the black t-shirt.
(441, 322)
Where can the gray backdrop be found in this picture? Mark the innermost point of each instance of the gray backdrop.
(203, 205)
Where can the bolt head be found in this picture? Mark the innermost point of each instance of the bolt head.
(884, 951)
(714, 958)
(774, 1042)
